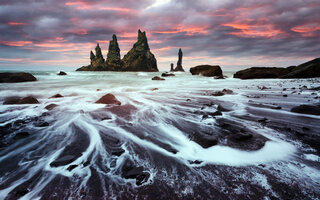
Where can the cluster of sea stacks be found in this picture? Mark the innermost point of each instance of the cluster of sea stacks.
(139, 58)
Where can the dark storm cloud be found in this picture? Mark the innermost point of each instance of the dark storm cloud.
(58, 29)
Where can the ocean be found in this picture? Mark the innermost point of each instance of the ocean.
(187, 137)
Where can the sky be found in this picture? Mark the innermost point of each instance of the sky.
(45, 34)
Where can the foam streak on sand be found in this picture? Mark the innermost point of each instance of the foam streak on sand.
(179, 136)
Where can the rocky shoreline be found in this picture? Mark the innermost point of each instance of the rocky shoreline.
(143, 137)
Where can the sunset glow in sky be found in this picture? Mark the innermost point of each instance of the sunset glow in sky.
(230, 33)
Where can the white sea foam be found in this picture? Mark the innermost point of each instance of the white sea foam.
(158, 109)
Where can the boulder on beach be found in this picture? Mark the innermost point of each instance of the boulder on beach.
(21, 100)
(109, 99)
(157, 78)
(207, 70)
(309, 69)
(10, 77)
(167, 74)
(130, 171)
(51, 106)
(204, 140)
(307, 109)
(62, 73)
(56, 96)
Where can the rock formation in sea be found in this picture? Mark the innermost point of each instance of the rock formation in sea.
(309, 69)
(62, 73)
(171, 67)
(97, 60)
(139, 58)
(113, 60)
(15, 77)
(179, 67)
(207, 70)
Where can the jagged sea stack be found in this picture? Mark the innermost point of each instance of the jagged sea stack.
(97, 60)
(140, 58)
(179, 63)
(113, 60)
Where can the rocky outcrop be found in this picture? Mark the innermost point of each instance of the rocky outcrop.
(62, 73)
(207, 70)
(157, 78)
(261, 72)
(171, 67)
(139, 58)
(113, 61)
(97, 60)
(109, 99)
(167, 74)
(309, 69)
(19, 100)
(307, 109)
(8, 77)
(56, 96)
(179, 63)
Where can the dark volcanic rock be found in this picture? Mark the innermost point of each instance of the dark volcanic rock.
(19, 100)
(309, 69)
(62, 73)
(306, 109)
(129, 171)
(113, 60)
(109, 99)
(207, 70)
(97, 60)
(204, 140)
(56, 96)
(140, 58)
(171, 67)
(167, 74)
(21, 135)
(8, 77)
(51, 106)
(179, 63)
(261, 72)
(157, 78)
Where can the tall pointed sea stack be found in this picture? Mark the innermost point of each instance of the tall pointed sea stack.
(97, 60)
(113, 60)
(179, 63)
(140, 58)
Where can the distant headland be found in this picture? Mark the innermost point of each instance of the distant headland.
(139, 58)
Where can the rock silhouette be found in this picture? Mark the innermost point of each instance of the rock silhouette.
(8, 77)
(139, 58)
(171, 67)
(309, 69)
(207, 70)
(179, 63)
